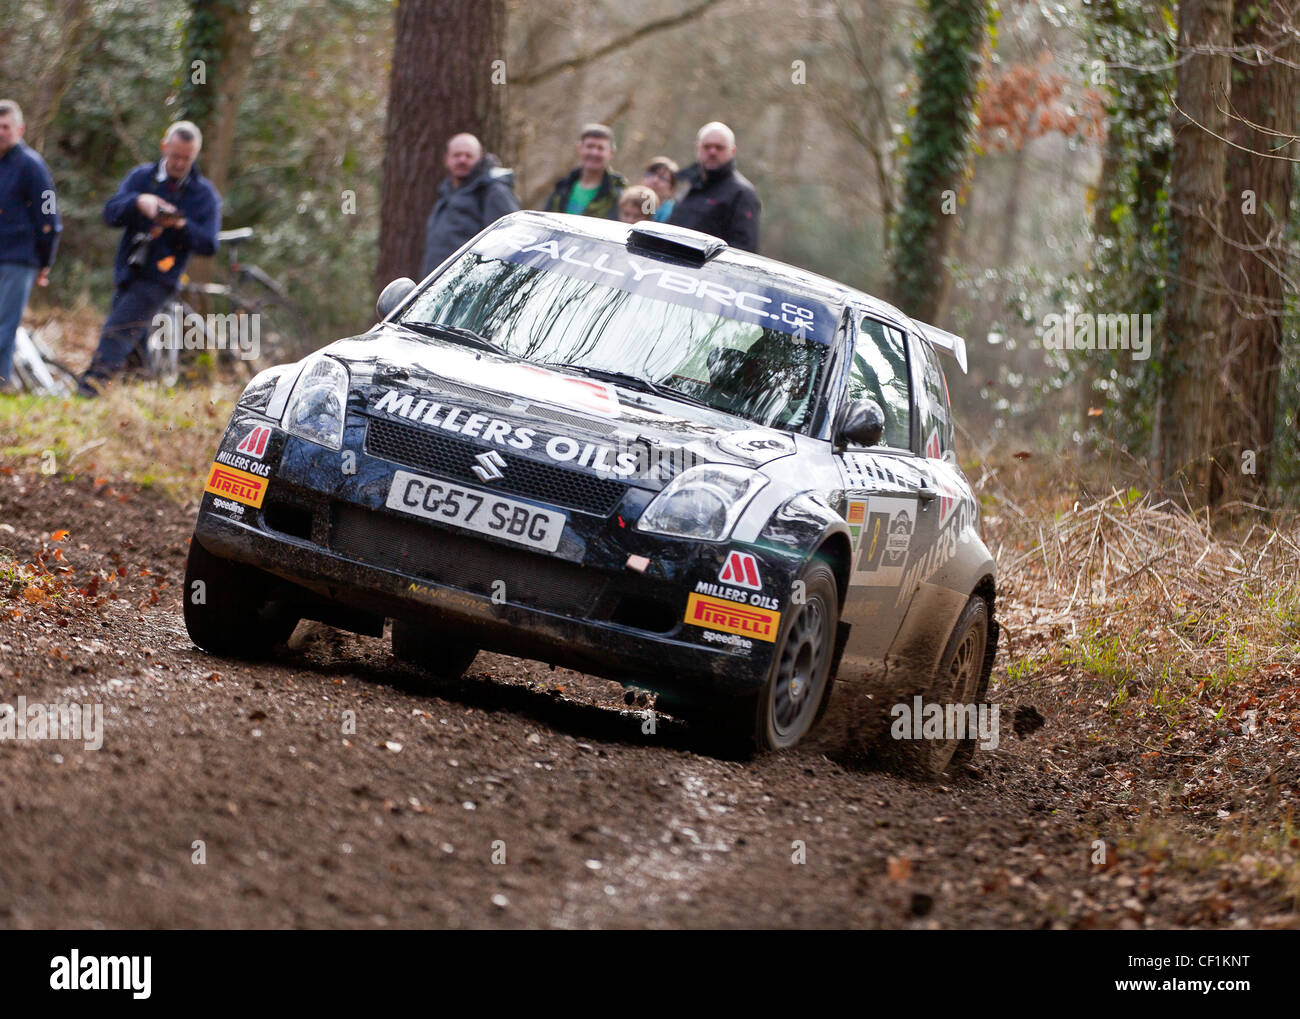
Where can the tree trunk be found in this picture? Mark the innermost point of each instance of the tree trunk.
(1103, 236)
(1195, 320)
(441, 85)
(1259, 194)
(60, 67)
(940, 141)
(220, 34)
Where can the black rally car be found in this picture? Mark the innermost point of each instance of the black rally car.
(625, 450)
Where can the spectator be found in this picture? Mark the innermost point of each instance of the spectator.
(168, 211)
(661, 177)
(637, 204)
(29, 228)
(476, 193)
(591, 188)
(720, 201)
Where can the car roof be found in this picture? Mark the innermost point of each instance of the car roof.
(828, 290)
(777, 272)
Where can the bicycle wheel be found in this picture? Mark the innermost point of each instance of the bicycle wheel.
(38, 373)
(282, 325)
(163, 346)
(64, 379)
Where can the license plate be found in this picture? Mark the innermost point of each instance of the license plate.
(476, 510)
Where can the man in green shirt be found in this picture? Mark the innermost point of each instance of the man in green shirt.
(591, 188)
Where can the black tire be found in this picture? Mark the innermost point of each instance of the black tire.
(961, 678)
(432, 651)
(224, 616)
(793, 697)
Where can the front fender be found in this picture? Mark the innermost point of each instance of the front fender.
(805, 525)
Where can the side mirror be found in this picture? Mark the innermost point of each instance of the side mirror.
(862, 423)
(393, 295)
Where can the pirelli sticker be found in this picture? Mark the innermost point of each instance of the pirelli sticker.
(233, 483)
(732, 617)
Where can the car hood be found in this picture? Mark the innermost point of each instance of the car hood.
(670, 435)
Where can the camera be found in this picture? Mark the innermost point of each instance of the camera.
(139, 253)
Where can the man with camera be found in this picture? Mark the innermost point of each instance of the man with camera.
(168, 211)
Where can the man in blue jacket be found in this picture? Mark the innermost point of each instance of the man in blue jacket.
(168, 211)
(476, 193)
(29, 228)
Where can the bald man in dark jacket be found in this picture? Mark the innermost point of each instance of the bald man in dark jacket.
(721, 201)
(476, 193)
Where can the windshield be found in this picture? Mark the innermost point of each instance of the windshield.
(718, 344)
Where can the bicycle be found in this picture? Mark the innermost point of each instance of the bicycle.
(246, 298)
(37, 371)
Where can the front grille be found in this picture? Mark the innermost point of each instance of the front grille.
(420, 550)
(454, 459)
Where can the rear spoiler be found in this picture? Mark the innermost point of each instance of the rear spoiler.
(948, 342)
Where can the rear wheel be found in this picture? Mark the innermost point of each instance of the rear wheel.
(223, 612)
(790, 702)
(432, 651)
(959, 680)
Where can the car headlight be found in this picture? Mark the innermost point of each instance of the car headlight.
(704, 502)
(316, 407)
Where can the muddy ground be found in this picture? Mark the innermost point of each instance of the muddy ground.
(599, 824)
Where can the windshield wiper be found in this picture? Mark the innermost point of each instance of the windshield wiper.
(630, 381)
(459, 333)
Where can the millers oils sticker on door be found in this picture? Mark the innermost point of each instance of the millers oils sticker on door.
(882, 529)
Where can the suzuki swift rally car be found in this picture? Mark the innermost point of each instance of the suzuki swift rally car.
(629, 451)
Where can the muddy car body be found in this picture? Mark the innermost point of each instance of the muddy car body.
(629, 451)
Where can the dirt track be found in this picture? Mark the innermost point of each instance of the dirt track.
(602, 824)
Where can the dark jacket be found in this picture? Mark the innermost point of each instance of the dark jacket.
(720, 202)
(168, 253)
(483, 197)
(604, 205)
(29, 216)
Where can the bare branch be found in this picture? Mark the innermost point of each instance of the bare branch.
(618, 43)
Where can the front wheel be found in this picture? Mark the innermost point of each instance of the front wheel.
(789, 703)
(431, 651)
(224, 615)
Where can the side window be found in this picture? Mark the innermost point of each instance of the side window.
(879, 372)
(936, 414)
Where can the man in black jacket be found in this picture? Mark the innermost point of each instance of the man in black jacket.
(721, 201)
(168, 211)
(476, 193)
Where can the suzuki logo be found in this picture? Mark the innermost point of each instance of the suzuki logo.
(490, 464)
(741, 569)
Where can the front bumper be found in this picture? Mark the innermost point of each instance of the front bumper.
(327, 537)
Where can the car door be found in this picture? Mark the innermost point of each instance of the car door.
(953, 502)
(886, 495)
